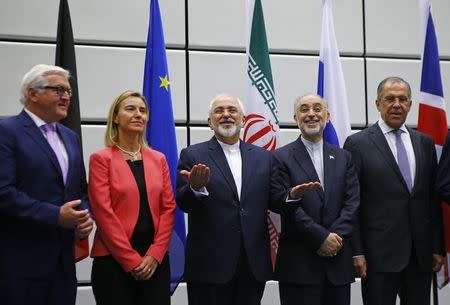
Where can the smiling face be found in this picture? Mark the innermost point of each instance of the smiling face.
(394, 104)
(48, 104)
(226, 119)
(131, 116)
(311, 116)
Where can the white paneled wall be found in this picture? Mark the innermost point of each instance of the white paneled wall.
(205, 48)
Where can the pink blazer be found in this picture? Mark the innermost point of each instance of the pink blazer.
(114, 198)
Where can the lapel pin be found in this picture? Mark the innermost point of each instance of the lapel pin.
(331, 157)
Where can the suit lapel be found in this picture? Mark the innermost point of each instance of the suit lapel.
(247, 165)
(150, 167)
(329, 167)
(218, 157)
(36, 135)
(303, 159)
(380, 142)
(71, 151)
(415, 139)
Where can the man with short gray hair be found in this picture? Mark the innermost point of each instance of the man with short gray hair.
(319, 197)
(398, 239)
(224, 185)
(43, 201)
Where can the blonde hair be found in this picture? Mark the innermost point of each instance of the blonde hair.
(112, 134)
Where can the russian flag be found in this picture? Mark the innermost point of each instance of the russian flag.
(331, 83)
(432, 114)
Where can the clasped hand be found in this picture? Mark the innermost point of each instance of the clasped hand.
(146, 269)
(330, 246)
(71, 218)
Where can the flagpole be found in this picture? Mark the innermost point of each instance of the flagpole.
(261, 123)
(161, 134)
(432, 110)
(65, 58)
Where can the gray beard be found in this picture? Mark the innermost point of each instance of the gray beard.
(311, 132)
(228, 132)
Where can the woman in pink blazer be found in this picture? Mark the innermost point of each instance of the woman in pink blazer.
(132, 202)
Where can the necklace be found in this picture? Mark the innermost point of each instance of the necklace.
(132, 154)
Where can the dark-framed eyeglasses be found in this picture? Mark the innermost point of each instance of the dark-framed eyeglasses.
(58, 90)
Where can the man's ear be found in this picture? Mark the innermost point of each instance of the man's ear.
(210, 124)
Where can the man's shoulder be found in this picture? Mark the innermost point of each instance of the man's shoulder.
(424, 137)
(198, 147)
(362, 134)
(255, 149)
(66, 129)
(11, 122)
(11, 127)
(284, 150)
(335, 150)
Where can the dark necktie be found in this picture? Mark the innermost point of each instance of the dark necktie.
(50, 132)
(402, 158)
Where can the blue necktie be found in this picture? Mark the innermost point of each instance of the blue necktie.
(402, 158)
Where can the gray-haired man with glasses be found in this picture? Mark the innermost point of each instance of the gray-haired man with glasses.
(43, 201)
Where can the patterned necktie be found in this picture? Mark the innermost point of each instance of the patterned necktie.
(402, 158)
(52, 138)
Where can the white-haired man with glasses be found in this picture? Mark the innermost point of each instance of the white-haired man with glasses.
(43, 201)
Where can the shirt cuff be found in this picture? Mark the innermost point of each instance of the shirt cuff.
(289, 199)
(199, 194)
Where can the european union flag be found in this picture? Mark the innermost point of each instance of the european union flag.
(161, 127)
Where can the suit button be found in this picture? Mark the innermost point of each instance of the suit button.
(241, 210)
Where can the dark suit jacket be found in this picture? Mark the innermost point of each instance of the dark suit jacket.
(220, 223)
(392, 220)
(33, 244)
(443, 175)
(306, 223)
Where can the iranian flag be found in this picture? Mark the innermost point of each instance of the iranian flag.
(261, 122)
(432, 114)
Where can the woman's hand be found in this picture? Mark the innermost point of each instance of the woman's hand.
(146, 268)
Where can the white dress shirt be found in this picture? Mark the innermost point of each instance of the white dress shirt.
(406, 138)
(233, 156)
(315, 151)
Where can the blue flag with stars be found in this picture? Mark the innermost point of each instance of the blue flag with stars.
(161, 128)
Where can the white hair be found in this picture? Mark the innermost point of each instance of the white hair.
(224, 96)
(35, 78)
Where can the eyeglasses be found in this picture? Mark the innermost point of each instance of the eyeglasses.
(58, 90)
(391, 99)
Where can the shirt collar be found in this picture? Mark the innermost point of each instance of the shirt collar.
(37, 120)
(229, 147)
(385, 128)
(310, 144)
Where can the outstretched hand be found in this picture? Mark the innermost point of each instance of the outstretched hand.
(198, 177)
(299, 190)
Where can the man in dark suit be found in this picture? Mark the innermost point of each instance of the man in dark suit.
(224, 186)
(443, 174)
(319, 198)
(43, 202)
(398, 241)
